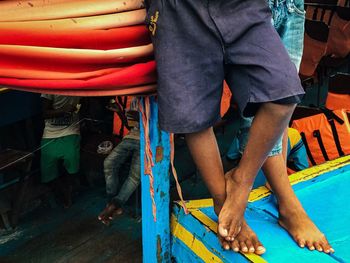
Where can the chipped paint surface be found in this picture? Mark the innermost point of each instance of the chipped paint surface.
(159, 154)
(156, 235)
(159, 249)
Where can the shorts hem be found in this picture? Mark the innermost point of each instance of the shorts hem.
(183, 130)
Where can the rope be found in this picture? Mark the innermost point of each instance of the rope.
(148, 158)
(178, 186)
(42, 146)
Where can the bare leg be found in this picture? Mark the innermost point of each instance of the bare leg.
(206, 155)
(268, 125)
(284, 152)
(292, 216)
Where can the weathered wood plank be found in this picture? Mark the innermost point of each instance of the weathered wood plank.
(156, 235)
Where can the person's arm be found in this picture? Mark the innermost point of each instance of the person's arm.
(49, 112)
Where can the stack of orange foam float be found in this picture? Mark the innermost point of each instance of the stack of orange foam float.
(76, 47)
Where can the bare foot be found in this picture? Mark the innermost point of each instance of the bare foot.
(106, 216)
(232, 212)
(302, 229)
(217, 208)
(247, 242)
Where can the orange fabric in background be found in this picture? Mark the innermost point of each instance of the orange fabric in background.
(225, 99)
(117, 123)
(338, 101)
(319, 122)
(314, 50)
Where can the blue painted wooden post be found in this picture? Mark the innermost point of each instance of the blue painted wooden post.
(156, 235)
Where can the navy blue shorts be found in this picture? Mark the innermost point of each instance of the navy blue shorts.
(200, 43)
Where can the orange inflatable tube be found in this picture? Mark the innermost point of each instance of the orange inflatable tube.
(16, 4)
(46, 74)
(86, 39)
(72, 9)
(42, 64)
(136, 90)
(135, 75)
(75, 56)
(123, 19)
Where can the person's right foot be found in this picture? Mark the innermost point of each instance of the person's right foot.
(294, 219)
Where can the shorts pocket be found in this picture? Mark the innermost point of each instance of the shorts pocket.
(297, 7)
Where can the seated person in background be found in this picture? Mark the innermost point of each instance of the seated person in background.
(128, 147)
(297, 159)
(296, 156)
(60, 144)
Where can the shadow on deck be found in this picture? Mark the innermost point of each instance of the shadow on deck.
(73, 235)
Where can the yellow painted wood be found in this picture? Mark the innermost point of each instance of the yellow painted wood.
(262, 191)
(317, 170)
(302, 176)
(194, 204)
(191, 242)
(212, 225)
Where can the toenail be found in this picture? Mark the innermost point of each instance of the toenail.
(327, 251)
(260, 248)
(319, 249)
(227, 247)
(224, 231)
(312, 248)
(251, 250)
(236, 249)
(245, 249)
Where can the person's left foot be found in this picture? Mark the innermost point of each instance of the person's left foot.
(232, 212)
(247, 241)
(302, 229)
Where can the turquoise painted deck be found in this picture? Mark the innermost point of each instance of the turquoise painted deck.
(326, 200)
